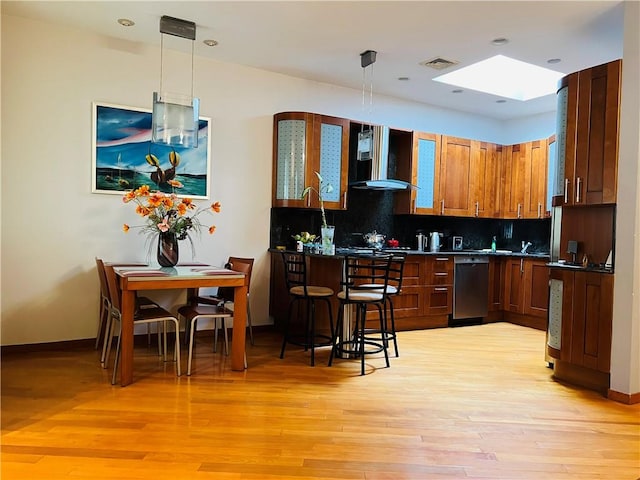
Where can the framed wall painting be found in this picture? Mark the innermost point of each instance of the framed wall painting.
(121, 144)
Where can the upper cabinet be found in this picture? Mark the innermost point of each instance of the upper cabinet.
(305, 143)
(422, 169)
(454, 176)
(486, 164)
(588, 123)
(525, 180)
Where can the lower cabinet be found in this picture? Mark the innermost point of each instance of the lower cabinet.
(426, 299)
(582, 313)
(526, 292)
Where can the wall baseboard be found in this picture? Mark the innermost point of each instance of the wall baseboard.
(626, 398)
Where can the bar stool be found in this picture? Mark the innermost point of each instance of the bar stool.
(394, 288)
(365, 281)
(295, 274)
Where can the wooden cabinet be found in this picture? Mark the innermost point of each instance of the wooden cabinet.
(582, 310)
(486, 165)
(526, 291)
(305, 143)
(455, 178)
(426, 299)
(421, 169)
(496, 284)
(410, 303)
(439, 285)
(589, 131)
(525, 180)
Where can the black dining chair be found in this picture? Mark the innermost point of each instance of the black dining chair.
(365, 281)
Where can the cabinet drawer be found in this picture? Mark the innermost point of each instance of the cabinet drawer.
(441, 278)
(439, 300)
(441, 271)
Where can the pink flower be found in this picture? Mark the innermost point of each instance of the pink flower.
(163, 226)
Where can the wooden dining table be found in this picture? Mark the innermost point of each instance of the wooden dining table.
(133, 279)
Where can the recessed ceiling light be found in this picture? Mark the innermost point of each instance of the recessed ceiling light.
(457, 90)
(499, 41)
(554, 60)
(125, 22)
(210, 43)
(403, 79)
(505, 77)
(502, 100)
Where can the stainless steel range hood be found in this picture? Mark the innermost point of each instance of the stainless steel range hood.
(371, 168)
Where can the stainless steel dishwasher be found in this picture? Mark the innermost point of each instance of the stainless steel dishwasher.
(470, 287)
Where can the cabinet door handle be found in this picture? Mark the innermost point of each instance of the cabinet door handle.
(539, 210)
(521, 266)
(442, 207)
(308, 200)
(566, 190)
(344, 200)
(477, 209)
(519, 208)
(441, 274)
(414, 206)
(578, 183)
(440, 289)
(442, 259)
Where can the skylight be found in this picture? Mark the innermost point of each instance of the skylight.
(505, 77)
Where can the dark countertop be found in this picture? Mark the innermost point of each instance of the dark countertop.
(342, 251)
(579, 267)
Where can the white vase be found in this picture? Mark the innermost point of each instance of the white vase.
(327, 239)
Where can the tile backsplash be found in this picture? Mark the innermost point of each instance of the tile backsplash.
(373, 210)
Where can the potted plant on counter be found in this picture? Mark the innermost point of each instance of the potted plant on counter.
(326, 231)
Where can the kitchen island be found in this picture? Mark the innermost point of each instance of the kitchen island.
(517, 287)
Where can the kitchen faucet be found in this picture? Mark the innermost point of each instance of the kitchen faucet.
(525, 246)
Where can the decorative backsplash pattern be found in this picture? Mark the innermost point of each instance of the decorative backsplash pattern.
(291, 138)
(373, 210)
(330, 153)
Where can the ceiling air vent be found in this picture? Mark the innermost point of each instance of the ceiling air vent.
(439, 63)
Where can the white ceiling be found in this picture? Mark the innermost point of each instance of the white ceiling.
(322, 40)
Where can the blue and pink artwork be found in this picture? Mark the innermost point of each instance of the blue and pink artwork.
(124, 157)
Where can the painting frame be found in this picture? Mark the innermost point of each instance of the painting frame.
(121, 141)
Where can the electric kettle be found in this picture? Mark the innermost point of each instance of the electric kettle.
(434, 243)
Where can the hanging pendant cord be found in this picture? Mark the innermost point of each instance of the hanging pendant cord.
(192, 70)
(161, 61)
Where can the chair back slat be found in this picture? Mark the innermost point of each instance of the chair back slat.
(114, 287)
(104, 288)
(238, 264)
(295, 270)
(366, 273)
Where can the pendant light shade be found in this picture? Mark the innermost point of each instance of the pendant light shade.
(175, 116)
(174, 120)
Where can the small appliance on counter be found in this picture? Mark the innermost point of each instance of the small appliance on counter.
(434, 242)
(457, 243)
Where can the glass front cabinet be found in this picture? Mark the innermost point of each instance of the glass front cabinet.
(305, 143)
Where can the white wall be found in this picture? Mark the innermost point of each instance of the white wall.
(625, 346)
(53, 226)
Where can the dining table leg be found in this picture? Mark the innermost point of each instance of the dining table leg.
(126, 346)
(239, 328)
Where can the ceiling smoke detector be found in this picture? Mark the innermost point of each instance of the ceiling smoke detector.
(439, 63)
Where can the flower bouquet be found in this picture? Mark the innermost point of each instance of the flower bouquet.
(168, 217)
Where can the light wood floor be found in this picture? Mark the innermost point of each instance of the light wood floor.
(466, 403)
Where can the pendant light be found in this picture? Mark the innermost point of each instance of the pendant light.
(175, 116)
(365, 137)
